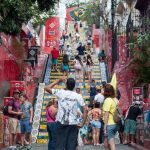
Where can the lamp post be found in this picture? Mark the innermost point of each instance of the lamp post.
(114, 46)
(78, 8)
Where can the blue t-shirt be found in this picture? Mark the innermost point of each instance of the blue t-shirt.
(25, 108)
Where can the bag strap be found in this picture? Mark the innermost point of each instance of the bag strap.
(50, 115)
(115, 109)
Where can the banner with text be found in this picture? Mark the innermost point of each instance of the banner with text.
(52, 34)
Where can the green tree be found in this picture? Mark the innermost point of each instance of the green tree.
(13, 13)
(93, 13)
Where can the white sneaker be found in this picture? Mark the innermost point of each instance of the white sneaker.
(12, 147)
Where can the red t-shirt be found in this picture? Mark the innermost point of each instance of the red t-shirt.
(55, 54)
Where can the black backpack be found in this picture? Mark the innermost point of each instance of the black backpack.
(5, 109)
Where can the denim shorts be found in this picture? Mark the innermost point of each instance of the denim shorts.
(111, 131)
(26, 127)
(96, 124)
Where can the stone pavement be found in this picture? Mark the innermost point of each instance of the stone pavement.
(88, 147)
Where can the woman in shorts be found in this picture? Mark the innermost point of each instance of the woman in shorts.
(95, 114)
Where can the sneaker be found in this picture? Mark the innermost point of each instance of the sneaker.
(26, 142)
(21, 147)
(12, 148)
(29, 147)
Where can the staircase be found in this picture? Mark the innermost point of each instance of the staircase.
(42, 135)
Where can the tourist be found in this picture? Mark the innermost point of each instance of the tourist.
(14, 114)
(109, 107)
(81, 25)
(68, 51)
(51, 112)
(78, 66)
(84, 69)
(26, 121)
(89, 126)
(130, 123)
(102, 56)
(65, 65)
(76, 28)
(61, 45)
(66, 121)
(55, 55)
(89, 65)
(99, 97)
(93, 92)
(95, 122)
(77, 35)
(64, 35)
(78, 90)
(81, 50)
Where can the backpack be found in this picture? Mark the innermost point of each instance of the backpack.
(93, 91)
(5, 108)
(118, 117)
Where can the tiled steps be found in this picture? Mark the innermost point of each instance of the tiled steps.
(43, 135)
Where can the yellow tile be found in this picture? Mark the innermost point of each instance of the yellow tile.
(43, 133)
(43, 113)
(43, 126)
(42, 141)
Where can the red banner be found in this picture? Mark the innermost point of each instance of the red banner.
(109, 49)
(52, 34)
(122, 48)
(17, 85)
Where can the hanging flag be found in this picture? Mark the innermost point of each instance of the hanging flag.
(114, 81)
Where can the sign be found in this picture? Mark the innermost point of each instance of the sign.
(1, 127)
(52, 34)
(137, 93)
(6, 100)
(17, 85)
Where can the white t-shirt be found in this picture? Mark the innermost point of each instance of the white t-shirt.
(99, 98)
(68, 50)
(68, 104)
(61, 42)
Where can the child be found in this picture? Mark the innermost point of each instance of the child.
(95, 115)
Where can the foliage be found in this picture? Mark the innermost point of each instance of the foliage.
(13, 13)
(74, 4)
(140, 47)
(93, 13)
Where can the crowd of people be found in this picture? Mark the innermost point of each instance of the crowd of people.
(70, 121)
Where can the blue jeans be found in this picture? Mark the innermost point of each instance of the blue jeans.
(66, 137)
(111, 131)
(26, 127)
(91, 100)
(51, 128)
